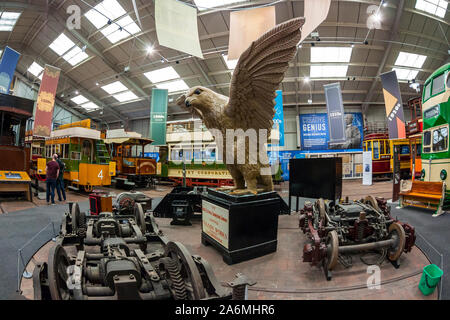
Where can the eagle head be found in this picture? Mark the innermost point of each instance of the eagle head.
(199, 100)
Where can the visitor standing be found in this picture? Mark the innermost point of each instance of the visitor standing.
(60, 180)
(51, 176)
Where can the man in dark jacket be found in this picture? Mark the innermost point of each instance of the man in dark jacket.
(51, 177)
(60, 180)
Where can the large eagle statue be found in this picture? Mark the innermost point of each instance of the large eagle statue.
(258, 73)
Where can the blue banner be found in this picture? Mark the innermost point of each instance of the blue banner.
(315, 137)
(278, 118)
(152, 155)
(7, 67)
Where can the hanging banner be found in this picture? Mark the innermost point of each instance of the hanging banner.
(335, 108)
(46, 101)
(315, 135)
(158, 116)
(246, 26)
(367, 165)
(316, 11)
(394, 105)
(277, 133)
(7, 67)
(176, 26)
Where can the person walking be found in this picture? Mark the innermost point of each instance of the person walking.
(52, 175)
(60, 180)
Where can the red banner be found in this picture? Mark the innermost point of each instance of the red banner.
(46, 102)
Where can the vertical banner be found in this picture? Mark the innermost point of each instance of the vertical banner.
(394, 106)
(278, 121)
(246, 26)
(335, 109)
(158, 116)
(46, 101)
(176, 26)
(316, 11)
(396, 173)
(7, 66)
(367, 168)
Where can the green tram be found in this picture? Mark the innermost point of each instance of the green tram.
(435, 135)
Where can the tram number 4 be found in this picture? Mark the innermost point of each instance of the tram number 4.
(100, 174)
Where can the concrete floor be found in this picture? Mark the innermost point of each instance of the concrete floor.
(282, 275)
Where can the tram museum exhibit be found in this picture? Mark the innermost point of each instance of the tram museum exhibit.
(224, 150)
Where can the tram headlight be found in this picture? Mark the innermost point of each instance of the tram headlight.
(443, 174)
(422, 174)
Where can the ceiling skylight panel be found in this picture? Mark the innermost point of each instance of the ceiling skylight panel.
(324, 71)
(114, 34)
(125, 96)
(410, 60)
(405, 74)
(101, 13)
(80, 99)
(90, 106)
(173, 86)
(115, 87)
(206, 4)
(8, 20)
(61, 44)
(35, 69)
(331, 54)
(231, 64)
(163, 74)
(435, 7)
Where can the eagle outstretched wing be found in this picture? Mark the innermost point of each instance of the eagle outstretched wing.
(258, 74)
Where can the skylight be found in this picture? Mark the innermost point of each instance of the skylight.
(163, 74)
(410, 60)
(125, 96)
(80, 99)
(331, 54)
(173, 86)
(8, 20)
(115, 87)
(325, 71)
(231, 64)
(35, 69)
(111, 10)
(208, 4)
(66, 48)
(405, 74)
(90, 106)
(436, 7)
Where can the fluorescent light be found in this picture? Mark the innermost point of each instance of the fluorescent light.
(324, 71)
(80, 99)
(35, 69)
(410, 60)
(75, 56)
(405, 74)
(208, 4)
(113, 34)
(173, 86)
(435, 7)
(125, 96)
(231, 64)
(306, 79)
(109, 8)
(149, 49)
(163, 74)
(8, 20)
(114, 87)
(61, 44)
(331, 54)
(90, 106)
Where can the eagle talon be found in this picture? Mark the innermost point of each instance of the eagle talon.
(243, 191)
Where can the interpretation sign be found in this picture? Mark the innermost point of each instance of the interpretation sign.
(215, 222)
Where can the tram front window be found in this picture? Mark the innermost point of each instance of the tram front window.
(426, 141)
(438, 85)
(440, 139)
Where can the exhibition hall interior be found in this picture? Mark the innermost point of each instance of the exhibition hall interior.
(224, 150)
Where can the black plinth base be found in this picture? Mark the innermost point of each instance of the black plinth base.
(240, 227)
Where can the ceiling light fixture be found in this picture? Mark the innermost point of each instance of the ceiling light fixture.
(149, 49)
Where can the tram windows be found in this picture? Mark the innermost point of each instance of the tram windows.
(427, 92)
(448, 80)
(438, 85)
(440, 139)
(74, 155)
(418, 150)
(376, 149)
(404, 150)
(87, 148)
(65, 151)
(369, 145)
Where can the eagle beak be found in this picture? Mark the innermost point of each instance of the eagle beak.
(181, 101)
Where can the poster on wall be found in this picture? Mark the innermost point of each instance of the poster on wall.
(367, 168)
(394, 106)
(46, 102)
(315, 137)
(8, 65)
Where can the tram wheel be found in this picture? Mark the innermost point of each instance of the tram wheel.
(57, 273)
(395, 252)
(332, 250)
(140, 217)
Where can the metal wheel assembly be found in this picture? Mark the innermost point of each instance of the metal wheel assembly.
(372, 201)
(188, 269)
(396, 230)
(140, 217)
(88, 188)
(332, 250)
(322, 210)
(57, 273)
(78, 220)
(173, 273)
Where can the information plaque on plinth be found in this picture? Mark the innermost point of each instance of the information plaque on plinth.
(240, 227)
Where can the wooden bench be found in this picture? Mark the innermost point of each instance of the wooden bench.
(429, 195)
